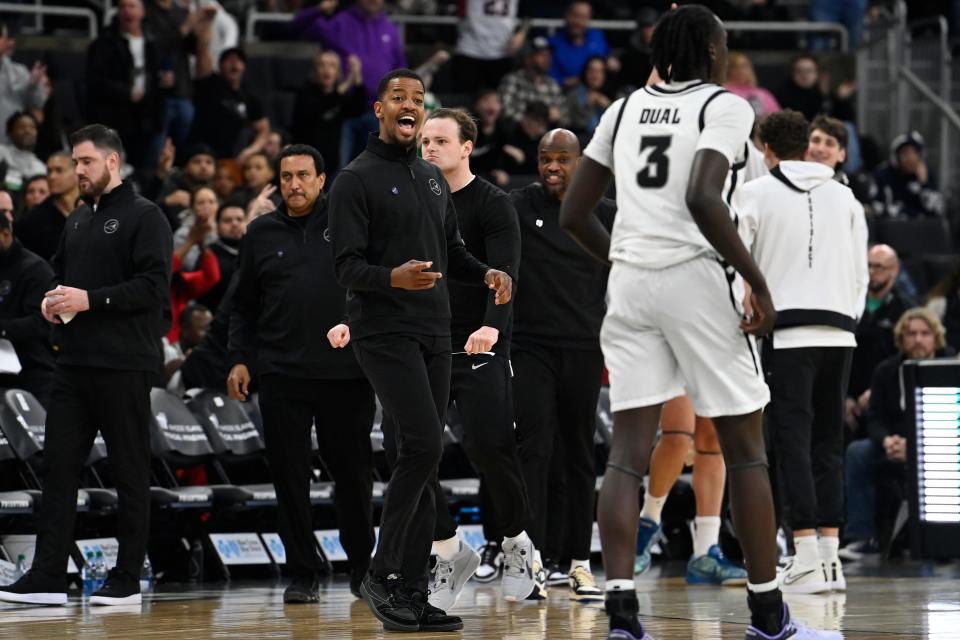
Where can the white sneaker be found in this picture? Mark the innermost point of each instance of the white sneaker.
(797, 578)
(518, 576)
(451, 575)
(583, 586)
(833, 570)
(491, 560)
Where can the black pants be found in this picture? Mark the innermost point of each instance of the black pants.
(807, 390)
(482, 389)
(343, 412)
(117, 403)
(555, 393)
(411, 376)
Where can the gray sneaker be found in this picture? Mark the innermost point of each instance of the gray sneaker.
(451, 575)
(519, 580)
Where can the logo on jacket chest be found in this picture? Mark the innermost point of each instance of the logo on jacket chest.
(111, 225)
(435, 187)
(326, 234)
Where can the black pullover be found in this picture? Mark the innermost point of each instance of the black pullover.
(562, 300)
(387, 207)
(24, 278)
(287, 299)
(488, 224)
(121, 254)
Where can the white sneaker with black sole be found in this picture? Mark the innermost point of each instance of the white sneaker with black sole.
(833, 570)
(36, 587)
(555, 575)
(798, 578)
(450, 576)
(519, 581)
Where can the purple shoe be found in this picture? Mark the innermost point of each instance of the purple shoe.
(791, 629)
(623, 634)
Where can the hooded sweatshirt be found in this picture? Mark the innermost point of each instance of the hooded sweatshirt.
(808, 235)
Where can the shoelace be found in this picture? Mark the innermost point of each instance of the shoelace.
(442, 573)
(514, 560)
(583, 578)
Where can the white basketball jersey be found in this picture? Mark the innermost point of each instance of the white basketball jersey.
(660, 130)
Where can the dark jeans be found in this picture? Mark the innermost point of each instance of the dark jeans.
(353, 136)
(343, 413)
(411, 376)
(807, 391)
(874, 488)
(179, 120)
(555, 393)
(83, 400)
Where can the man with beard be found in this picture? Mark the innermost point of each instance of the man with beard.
(39, 229)
(557, 363)
(395, 234)
(113, 270)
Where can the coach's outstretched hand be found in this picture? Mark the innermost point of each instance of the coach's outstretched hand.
(760, 322)
(500, 282)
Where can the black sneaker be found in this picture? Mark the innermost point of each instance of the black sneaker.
(36, 587)
(491, 558)
(356, 579)
(431, 618)
(303, 590)
(386, 602)
(120, 588)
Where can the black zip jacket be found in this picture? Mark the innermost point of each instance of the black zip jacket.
(121, 254)
(24, 278)
(387, 207)
(488, 224)
(287, 299)
(561, 302)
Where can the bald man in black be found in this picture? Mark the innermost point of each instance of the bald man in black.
(557, 362)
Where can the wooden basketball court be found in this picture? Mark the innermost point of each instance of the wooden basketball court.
(897, 601)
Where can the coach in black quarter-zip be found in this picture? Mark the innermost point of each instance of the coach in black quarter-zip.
(285, 299)
(112, 269)
(395, 240)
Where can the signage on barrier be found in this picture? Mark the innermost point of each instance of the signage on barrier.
(239, 548)
(275, 548)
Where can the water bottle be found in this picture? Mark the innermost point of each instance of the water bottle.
(86, 575)
(146, 576)
(99, 570)
(21, 566)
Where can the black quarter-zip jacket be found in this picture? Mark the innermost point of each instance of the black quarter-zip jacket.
(121, 253)
(287, 298)
(387, 207)
(562, 300)
(24, 278)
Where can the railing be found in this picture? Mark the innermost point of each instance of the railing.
(76, 12)
(552, 24)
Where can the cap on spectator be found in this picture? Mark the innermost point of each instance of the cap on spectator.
(200, 149)
(536, 45)
(232, 51)
(647, 16)
(913, 138)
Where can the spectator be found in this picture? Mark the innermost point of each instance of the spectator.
(635, 64)
(21, 89)
(488, 40)
(194, 321)
(805, 91)
(742, 81)
(197, 172)
(197, 221)
(587, 101)
(362, 30)
(905, 185)
(276, 141)
(876, 464)
(522, 144)
(231, 226)
(257, 173)
(885, 304)
(35, 190)
(186, 286)
(224, 30)
(575, 44)
(175, 29)
(849, 13)
(207, 365)
(532, 84)
(230, 117)
(24, 278)
(18, 156)
(492, 131)
(39, 229)
(324, 103)
(226, 180)
(943, 301)
(123, 72)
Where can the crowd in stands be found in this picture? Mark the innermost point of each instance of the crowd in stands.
(200, 141)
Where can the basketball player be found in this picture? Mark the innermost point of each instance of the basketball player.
(674, 289)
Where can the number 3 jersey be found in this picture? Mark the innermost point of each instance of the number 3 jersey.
(651, 153)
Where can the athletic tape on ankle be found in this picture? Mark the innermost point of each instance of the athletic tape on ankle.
(629, 472)
(746, 466)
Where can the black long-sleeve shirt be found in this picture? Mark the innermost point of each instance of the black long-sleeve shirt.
(287, 299)
(121, 254)
(388, 207)
(488, 225)
(24, 278)
(561, 300)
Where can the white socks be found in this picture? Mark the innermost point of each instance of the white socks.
(447, 549)
(580, 563)
(807, 553)
(520, 539)
(619, 585)
(763, 587)
(652, 507)
(706, 533)
(828, 547)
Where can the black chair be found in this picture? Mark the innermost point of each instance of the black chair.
(178, 438)
(12, 502)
